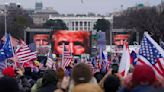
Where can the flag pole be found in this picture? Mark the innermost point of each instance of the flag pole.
(100, 54)
(5, 15)
(13, 52)
(62, 56)
(71, 50)
(71, 53)
(48, 56)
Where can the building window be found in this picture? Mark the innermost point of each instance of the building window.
(76, 23)
(85, 28)
(89, 24)
(72, 23)
(76, 28)
(85, 23)
(67, 24)
(81, 23)
(81, 28)
(89, 29)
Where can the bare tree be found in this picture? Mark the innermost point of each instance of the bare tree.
(144, 19)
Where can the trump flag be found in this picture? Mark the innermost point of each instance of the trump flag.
(8, 49)
(152, 54)
(2, 54)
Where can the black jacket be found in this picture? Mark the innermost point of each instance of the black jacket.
(47, 88)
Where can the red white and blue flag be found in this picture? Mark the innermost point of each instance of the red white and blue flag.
(133, 56)
(152, 54)
(24, 53)
(50, 63)
(6, 51)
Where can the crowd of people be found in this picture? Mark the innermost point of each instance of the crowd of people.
(81, 78)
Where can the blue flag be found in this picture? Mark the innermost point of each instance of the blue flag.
(103, 56)
(105, 62)
(8, 49)
(94, 62)
(2, 55)
(133, 56)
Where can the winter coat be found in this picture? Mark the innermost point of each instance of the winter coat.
(37, 85)
(144, 88)
(48, 88)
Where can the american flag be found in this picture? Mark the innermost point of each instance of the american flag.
(152, 54)
(67, 58)
(50, 63)
(24, 53)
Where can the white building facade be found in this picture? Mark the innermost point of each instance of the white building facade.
(81, 22)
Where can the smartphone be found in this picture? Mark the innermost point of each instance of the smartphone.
(114, 68)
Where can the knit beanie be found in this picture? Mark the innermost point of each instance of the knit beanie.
(143, 74)
(9, 71)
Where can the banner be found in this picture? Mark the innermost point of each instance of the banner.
(43, 50)
(101, 41)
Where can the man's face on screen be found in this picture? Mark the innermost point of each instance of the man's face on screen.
(120, 39)
(41, 39)
(74, 42)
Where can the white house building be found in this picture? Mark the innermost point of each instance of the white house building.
(81, 22)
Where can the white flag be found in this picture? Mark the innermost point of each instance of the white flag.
(125, 62)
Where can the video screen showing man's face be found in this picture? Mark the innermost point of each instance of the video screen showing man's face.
(120, 39)
(41, 39)
(76, 42)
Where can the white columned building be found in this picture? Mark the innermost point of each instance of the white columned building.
(81, 22)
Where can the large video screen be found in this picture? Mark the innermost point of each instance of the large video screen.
(39, 41)
(120, 39)
(76, 42)
(39, 38)
(124, 37)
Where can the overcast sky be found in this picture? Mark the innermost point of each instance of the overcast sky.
(83, 6)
